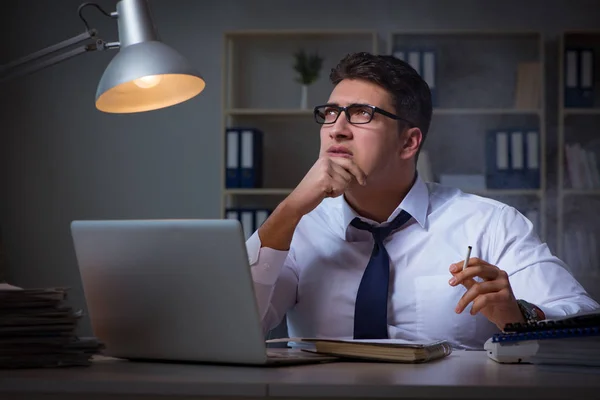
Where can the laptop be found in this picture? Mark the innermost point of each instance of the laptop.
(174, 290)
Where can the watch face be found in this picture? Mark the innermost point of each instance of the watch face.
(528, 311)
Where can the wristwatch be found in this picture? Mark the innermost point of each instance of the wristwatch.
(530, 312)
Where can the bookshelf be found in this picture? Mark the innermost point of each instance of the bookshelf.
(478, 87)
(260, 91)
(476, 90)
(578, 154)
(3, 264)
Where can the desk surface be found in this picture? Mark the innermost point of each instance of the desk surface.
(465, 375)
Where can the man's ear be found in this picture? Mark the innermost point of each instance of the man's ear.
(412, 139)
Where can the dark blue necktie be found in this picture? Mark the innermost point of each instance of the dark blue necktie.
(370, 311)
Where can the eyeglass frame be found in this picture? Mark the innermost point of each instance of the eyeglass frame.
(345, 110)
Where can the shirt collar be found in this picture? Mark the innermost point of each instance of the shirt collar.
(416, 203)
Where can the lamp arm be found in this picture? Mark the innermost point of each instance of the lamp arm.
(8, 71)
(43, 64)
(48, 50)
(18, 68)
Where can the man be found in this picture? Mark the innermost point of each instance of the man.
(363, 248)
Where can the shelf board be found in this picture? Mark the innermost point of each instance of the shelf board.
(475, 32)
(438, 111)
(284, 192)
(258, 191)
(483, 111)
(300, 32)
(269, 112)
(581, 192)
(581, 111)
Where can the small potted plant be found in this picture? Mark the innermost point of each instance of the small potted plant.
(308, 67)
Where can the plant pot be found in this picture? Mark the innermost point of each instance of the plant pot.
(304, 97)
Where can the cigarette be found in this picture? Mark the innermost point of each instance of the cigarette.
(467, 258)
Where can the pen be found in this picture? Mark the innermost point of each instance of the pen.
(467, 258)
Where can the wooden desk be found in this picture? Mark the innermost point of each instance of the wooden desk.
(462, 375)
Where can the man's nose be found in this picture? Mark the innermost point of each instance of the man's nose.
(341, 128)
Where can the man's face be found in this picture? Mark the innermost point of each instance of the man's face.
(376, 146)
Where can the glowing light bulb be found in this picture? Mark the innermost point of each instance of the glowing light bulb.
(146, 82)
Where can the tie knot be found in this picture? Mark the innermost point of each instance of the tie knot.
(381, 232)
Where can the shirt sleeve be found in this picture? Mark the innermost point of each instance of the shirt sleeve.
(535, 274)
(275, 281)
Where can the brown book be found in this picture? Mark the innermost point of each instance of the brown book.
(528, 86)
(389, 350)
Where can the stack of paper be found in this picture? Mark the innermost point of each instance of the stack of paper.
(37, 329)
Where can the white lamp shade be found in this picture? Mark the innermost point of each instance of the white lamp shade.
(146, 76)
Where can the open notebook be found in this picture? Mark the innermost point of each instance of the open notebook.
(391, 350)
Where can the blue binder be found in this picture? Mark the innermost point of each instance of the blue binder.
(546, 334)
(583, 324)
(532, 158)
(232, 158)
(506, 169)
(251, 163)
(250, 218)
(424, 61)
(579, 77)
(429, 72)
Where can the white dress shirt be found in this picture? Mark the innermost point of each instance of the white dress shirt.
(315, 283)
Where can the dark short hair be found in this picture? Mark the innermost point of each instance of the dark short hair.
(410, 93)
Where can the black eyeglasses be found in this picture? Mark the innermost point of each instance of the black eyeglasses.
(356, 114)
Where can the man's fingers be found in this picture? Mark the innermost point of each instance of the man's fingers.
(338, 185)
(499, 297)
(475, 291)
(334, 188)
(350, 166)
(338, 179)
(339, 171)
(486, 272)
(472, 262)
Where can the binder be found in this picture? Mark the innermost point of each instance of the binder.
(581, 320)
(571, 68)
(424, 62)
(579, 77)
(531, 172)
(497, 159)
(573, 340)
(400, 54)
(250, 218)
(512, 159)
(587, 78)
(232, 213)
(247, 220)
(232, 158)
(546, 334)
(251, 141)
(516, 150)
(533, 215)
(429, 72)
(260, 216)
(414, 59)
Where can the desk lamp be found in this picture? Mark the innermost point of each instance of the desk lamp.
(145, 74)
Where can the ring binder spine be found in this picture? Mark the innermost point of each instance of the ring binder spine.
(546, 334)
(579, 321)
